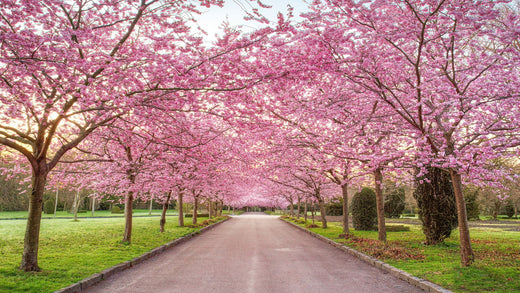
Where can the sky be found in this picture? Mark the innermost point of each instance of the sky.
(233, 11)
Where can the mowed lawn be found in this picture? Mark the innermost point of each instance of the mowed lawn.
(86, 214)
(497, 251)
(71, 251)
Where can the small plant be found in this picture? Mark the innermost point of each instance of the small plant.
(312, 226)
(397, 228)
(198, 215)
(117, 210)
(48, 206)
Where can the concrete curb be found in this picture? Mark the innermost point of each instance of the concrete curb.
(98, 277)
(418, 282)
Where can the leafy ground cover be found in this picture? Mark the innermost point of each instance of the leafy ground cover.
(71, 251)
(497, 251)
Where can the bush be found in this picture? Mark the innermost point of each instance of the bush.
(472, 206)
(48, 206)
(394, 203)
(335, 207)
(509, 209)
(364, 212)
(198, 215)
(436, 202)
(397, 228)
(117, 210)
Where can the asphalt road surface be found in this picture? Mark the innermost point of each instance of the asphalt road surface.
(253, 253)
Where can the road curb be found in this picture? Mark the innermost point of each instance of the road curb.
(415, 281)
(107, 273)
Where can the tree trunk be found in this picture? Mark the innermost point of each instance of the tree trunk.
(56, 203)
(210, 209)
(32, 231)
(466, 252)
(181, 210)
(93, 205)
(299, 205)
(291, 211)
(496, 209)
(162, 222)
(195, 207)
(76, 206)
(378, 178)
(129, 200)
(305, 211)
(344, 192)
(150, 210)
(322, 212)
(313, 211)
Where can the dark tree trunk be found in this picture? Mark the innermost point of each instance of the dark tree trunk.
(299, 205)
(32, 231)
(466, 252)
(344, 193)
(291, 211)
(496, 209)
(305, 211)
(210, 209)
(322, 212)
(164, 210)
(181, 210)
(313, 211)
(378, 178)
(195, 207)
(127, 237)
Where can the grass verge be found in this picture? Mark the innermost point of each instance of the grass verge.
(87, 214)
(71, 251)
(497, 251)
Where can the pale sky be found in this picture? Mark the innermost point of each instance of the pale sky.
(233, 10)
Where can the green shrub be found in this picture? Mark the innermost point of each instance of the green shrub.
(364, 212)
(198, 215)
(335, 207)
(436, 202)
(472, 206)
(397, 228)
(117, 210)
(394, 203)
(48, 206)
(509, 209)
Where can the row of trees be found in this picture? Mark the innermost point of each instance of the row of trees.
(124, 98)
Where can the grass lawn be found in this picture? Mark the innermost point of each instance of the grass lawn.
(65, 214)
(497, 251)
(71, 251)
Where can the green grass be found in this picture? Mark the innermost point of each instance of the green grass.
(65, 214)
(71, 251)
(497, 251)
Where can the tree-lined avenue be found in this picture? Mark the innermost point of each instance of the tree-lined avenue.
(253, 253)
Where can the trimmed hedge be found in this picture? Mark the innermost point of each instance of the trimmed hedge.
(364, 211)
(198, 215)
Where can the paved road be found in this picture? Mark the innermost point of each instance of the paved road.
(253, 253)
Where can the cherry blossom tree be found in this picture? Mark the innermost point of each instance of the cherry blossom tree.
(447, 68)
